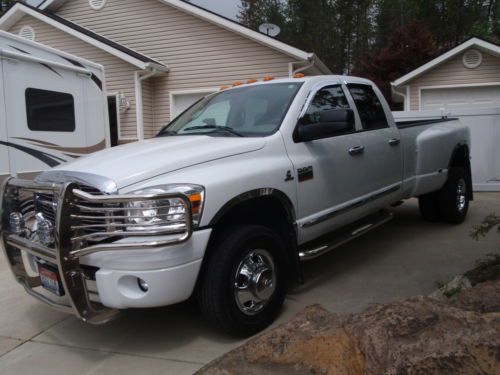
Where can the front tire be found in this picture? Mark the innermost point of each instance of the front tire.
(454, 197)
(243, 284)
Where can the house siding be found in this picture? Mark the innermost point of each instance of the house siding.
(199, 54)
(119, 74)
(453, 72)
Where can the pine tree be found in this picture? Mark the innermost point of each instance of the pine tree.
(6, 4)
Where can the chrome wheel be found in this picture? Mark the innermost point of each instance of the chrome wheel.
(461, 195)
(255, 282)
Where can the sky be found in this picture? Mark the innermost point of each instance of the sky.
(227, 8)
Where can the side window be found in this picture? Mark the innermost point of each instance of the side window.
(370, 108)
(331, 97)
(50, 111)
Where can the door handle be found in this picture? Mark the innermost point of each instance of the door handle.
(394, 141)
(356, 150)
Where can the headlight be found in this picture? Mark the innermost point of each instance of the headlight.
(165, 214)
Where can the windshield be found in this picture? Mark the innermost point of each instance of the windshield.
(249, 111)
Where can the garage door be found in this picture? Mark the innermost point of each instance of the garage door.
(464, 97)
(182, 101)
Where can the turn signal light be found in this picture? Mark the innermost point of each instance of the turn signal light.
(299, 75)
(196, 200)
(268, 78)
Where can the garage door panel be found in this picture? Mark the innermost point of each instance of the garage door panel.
(463, 97)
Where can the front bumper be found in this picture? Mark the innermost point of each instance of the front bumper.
(95, 294)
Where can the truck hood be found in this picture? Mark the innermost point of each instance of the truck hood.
(139, 161)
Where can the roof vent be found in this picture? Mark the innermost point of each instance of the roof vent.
(28, 33)
(472, 59)
(97, 4)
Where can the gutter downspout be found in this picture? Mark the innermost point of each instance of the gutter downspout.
(395, 92)
(139, 108)
(310, 65)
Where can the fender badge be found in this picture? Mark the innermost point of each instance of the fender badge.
(306, 173)
(289, 176)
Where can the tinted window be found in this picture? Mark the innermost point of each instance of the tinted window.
(370, 108)
(331, 97)
(50, 111)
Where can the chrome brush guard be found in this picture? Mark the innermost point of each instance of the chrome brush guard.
(69, 203)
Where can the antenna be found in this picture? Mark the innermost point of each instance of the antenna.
(269, 29)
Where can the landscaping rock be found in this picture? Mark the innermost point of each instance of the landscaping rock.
(455, 286)
(418, 336)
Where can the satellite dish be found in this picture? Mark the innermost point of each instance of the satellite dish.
(269, 29)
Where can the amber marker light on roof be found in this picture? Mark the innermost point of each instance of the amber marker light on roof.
(224, 88)
(299, 75)
(253, 80)
(268, 78)
(237, 84)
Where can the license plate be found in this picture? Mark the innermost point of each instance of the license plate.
(50, 279)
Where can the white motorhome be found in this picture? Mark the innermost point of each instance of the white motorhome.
(53, 107)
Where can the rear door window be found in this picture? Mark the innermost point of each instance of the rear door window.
(370, 108)
(50, 111)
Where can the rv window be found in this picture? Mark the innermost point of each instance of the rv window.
(50, 111)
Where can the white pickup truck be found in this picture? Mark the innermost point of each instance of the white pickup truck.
(228, 200)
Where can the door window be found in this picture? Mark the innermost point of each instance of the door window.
(370, 108)
(50, 111)
(328, 98)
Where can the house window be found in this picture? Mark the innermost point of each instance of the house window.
(50, 111)
(28, 33)
(97, 4)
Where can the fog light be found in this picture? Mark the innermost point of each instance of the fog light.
(16, 221)
(45, 230)
(143, 285)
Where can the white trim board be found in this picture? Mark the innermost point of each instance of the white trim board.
(231, 26)
(473, 42)
(19, 10)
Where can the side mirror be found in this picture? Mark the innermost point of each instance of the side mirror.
(331, 123)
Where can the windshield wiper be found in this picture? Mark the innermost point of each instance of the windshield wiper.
(166, 133)
(216, 127)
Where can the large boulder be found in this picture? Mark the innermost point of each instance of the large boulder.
(418, 336)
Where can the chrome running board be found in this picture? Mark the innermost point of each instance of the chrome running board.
(326, 244)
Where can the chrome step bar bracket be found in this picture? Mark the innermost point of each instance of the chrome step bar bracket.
(313, 251)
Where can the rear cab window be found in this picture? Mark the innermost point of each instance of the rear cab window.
(370, 109)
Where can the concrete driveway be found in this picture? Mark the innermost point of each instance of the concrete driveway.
(401, 259)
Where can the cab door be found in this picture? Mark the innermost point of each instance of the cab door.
(328, 175)
(381, 152)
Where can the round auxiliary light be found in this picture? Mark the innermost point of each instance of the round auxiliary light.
(142, 285)
(16, 222)
(45, 230)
